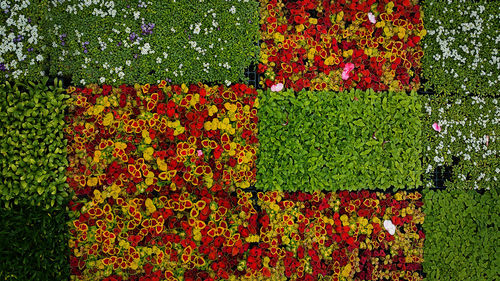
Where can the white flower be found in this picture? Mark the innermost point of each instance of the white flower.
(371, 18)
(102, 80)
(390, 227)
(137, 14)
(232, 10)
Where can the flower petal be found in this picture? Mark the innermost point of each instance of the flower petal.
(436, 127)
(390, 227)
(371, 18)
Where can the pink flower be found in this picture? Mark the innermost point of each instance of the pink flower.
(276, 88)
(371, 17)
(200, 153)
(436, 127)
(347, 68)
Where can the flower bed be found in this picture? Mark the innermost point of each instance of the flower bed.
(462, 235)
(462, 47)
(22, 40)
(153, 137)
(32, 145)
(460, 136)
(115, 42)
(329, 141)
(341, 236)
(317, 45)
(151, 166)
(184, 234)
(196, 234)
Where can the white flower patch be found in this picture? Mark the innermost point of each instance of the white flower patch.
(133, 27)
(465, 49)
(467, 142)
(19, 40)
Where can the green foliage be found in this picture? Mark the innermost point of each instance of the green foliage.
(467, 143)
(329, 141)
(33, 244)
(32, 144)
(23, 53)
(462, 235)
(461, 46)
(190, 42)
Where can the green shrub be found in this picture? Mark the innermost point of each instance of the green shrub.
(329, 141)
(115, 42)
(461, 46)
(467, 145)
(462, 235)
(33, 244)
(23, 53)
(32, 145)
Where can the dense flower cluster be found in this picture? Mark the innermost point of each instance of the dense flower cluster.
(190, 234)
(153, 166)
(341, 235)
(152, 137)
(340, 45)
(197, 235)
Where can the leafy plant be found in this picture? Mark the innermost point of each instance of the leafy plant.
(461, 136)
(116, 42)
(462, 235)
(33, 244)
(461, 47)
(329, 141)
(32, 145)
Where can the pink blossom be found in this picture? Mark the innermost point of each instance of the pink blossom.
(371, 17)
(276, 88)
(200, 153)
(347, 68)
(436, 127)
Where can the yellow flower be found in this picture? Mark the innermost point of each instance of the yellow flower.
(148, 153)
(150, 207)
(212, 110)
(108, 119)
(92, 181)
(347, 270)
(97, 156)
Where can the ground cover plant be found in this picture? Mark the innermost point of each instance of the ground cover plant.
(461, 138)
(33, 243)
(462, 235)
(23, 53)
(321, 45)
(32, 145)
(462, 47)
(329, 141)
(115, 42)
